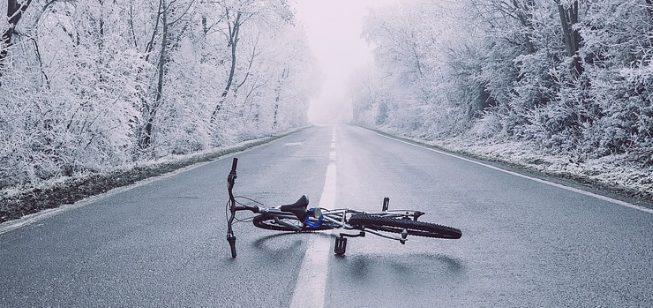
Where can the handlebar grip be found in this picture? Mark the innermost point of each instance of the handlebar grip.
(234, 164)
(232, 244)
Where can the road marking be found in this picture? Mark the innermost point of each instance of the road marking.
(576, 190)
(310, 289)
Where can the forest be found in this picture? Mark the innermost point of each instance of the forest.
(570, 79)
(91, 85)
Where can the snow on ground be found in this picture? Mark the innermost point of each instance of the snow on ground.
(609, 172)
(17, 202)
(614, 174)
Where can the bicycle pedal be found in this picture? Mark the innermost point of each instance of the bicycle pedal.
(341, 245)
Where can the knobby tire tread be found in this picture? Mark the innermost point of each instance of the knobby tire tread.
(418, 228)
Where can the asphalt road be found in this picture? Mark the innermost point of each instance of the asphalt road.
(162, 243)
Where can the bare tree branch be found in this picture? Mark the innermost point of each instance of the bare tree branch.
(15, 10)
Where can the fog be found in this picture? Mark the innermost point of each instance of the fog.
(334, 32)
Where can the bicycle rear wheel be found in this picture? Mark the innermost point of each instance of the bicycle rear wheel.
(398, 225)
(280, 223)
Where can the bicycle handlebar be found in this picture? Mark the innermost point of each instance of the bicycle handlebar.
(231, 180)
(233, 207)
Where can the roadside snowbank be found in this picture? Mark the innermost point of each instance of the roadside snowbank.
(613, 174)
(19, 201)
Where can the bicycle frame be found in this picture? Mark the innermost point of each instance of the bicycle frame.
(339, 217)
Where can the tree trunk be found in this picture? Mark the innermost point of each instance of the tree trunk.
(568, 19)
(649, 10)
(277, 99)
(234, 30)
(15, 11)
(525, 15)
(146, 137)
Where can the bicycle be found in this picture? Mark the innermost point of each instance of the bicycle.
(298, 217)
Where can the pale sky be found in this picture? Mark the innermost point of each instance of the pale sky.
(334, 32)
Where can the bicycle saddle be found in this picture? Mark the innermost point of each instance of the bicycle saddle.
(298, 208)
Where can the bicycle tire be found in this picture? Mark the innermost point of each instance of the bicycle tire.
(267, 221)
(396, 225)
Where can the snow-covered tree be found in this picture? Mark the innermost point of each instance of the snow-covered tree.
(90, 84)
(570, 76)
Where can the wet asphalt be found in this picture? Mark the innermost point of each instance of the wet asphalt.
(162, 243)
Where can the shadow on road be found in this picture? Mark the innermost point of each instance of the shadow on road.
(279, 245)
(404, 267)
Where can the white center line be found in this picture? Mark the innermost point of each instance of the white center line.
(310, 289)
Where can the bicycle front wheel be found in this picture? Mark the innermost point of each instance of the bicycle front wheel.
(398, 225)
(281, 223)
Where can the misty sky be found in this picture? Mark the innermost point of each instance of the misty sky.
(334, 32)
